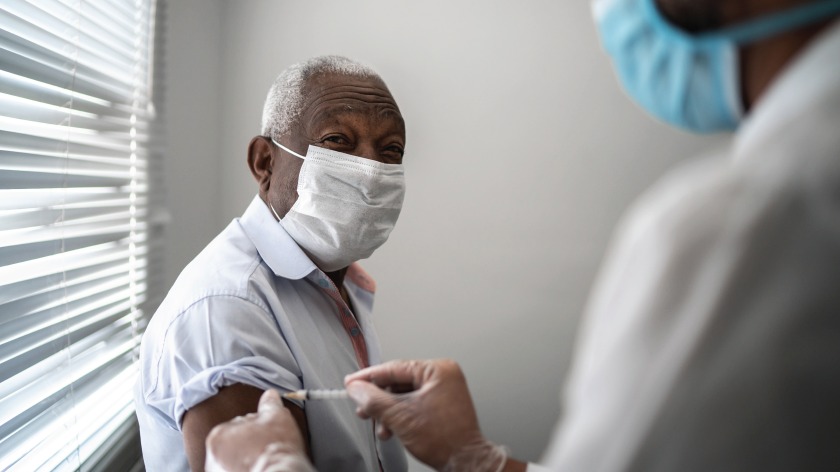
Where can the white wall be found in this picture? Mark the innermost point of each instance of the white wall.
(522, 153)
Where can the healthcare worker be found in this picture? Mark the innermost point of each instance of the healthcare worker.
(712, 337)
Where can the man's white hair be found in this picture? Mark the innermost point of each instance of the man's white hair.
(285, 98)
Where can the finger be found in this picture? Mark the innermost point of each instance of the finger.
(383, 432)
(270, 401)
(390, 373)
(210, 462)
(361, 414)
(372, 400)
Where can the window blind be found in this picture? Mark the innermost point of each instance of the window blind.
(76, 114)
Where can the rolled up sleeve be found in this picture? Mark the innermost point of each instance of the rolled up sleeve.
(216, 342)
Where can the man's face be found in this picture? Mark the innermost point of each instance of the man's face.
(346, 114)
(698, 16)
(759, 62)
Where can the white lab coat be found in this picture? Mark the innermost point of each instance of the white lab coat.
(712, 338)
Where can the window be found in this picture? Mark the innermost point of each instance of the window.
(79, 224)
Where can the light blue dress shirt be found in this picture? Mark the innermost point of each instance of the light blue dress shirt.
(252, 308)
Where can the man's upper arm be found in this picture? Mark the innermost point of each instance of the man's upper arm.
(216, 343)
(230, 402)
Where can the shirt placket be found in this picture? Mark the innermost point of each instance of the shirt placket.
(351, 325)
(357, 338)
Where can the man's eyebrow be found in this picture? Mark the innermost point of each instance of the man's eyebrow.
(392, 111)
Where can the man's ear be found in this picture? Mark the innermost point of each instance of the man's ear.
(261, 161)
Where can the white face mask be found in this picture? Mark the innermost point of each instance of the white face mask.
(346, 206)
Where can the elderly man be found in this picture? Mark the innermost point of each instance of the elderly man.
(277, 301)
(712, 338)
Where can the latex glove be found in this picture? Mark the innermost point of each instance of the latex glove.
(266, 441)
(435, 420)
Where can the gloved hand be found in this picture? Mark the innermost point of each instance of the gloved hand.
(435, 420)
(266, 441)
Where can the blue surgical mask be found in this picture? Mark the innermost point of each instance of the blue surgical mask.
(691, 81)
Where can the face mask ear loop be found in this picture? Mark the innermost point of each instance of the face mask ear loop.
(287, 150)
(274, 211)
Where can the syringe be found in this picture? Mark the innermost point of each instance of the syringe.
(316, 395)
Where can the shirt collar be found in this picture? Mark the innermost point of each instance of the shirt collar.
(276, 247)
(812, 77)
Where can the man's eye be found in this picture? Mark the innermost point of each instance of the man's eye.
(395, 149)
(336, 139)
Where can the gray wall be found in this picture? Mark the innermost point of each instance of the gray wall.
(193, 62)
(522, 154)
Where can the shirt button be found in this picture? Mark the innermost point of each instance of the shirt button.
(323, 283)
(346, 311)
(354, 331)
